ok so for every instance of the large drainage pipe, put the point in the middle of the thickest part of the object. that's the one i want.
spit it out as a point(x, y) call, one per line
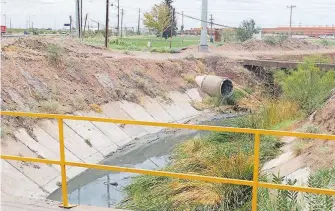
point(215, 86)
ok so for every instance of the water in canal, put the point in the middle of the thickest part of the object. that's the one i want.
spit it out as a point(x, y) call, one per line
point(105, 188)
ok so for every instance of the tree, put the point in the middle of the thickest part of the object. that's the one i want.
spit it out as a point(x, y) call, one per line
point(246, 29)
point(172, 14)
point(158, 19)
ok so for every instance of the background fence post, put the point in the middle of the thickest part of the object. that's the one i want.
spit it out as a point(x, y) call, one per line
point(256, 170)
point(62, 164)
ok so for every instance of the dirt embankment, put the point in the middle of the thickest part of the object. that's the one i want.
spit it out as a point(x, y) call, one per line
point(261, 45)
point(318, 154)
point(63, 75)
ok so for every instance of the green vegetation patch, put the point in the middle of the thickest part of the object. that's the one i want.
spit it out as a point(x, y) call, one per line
point(308, 86)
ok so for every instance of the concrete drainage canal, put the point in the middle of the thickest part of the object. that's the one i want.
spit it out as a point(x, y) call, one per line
point(105, 189)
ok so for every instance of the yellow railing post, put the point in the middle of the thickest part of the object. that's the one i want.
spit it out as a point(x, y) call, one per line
point(256, 170)
point(257, 133)
point(62, 164)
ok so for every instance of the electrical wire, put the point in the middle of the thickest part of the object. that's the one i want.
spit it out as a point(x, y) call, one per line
point(216, 24)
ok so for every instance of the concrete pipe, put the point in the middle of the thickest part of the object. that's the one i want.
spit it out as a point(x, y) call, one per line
point(215, 86)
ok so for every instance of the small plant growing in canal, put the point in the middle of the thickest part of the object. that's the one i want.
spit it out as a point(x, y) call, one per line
point(87, 141)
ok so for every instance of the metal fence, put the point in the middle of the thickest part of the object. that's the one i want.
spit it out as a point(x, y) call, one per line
point(255, 183)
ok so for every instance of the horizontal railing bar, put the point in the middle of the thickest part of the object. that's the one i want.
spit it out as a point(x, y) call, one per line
point(174, 175)
point(297, 188)
point(29, 159)
point(173, 125)
point(162, 173)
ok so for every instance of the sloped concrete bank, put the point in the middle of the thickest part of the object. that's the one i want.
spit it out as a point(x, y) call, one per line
point(89, 142)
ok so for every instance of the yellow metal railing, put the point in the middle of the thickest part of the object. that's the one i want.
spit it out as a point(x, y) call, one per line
point(254, 183)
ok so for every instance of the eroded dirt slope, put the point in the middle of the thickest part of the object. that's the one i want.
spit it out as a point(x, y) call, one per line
point(57, 75)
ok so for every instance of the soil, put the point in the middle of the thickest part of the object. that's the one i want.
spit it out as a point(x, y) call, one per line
point(62, 75)
point(260, 45)
point(325, 117)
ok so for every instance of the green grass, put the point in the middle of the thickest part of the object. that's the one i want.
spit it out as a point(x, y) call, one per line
point(326, 42)
point(309, 86)
point(227, 155)
point(140, 43)
point(223, 154)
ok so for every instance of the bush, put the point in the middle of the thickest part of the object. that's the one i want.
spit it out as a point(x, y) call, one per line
point(289, 200)
point(308, 86)
point(278, 39)
point(55, 54)
point(271, 40)
point(325, 42)
point(235, 97)
point(50, 106)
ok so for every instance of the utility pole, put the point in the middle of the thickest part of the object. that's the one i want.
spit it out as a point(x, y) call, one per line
point(10, 23)
point(172, 26)
point(121, 21)
point(203, 47)
point(98, 26)
point(70, 25)
point(77, 18)
point(81, 18)
point(107, 15)
point(182, 21)
point(211, 39)
point(118, 17)
point(291, 7)
point(85, 26)
point(139, 18)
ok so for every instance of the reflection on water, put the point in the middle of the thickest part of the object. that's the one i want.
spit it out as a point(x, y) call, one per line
point(107, 191)
point(105, 188)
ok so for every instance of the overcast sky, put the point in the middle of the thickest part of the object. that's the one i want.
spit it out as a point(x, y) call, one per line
point(266, 13)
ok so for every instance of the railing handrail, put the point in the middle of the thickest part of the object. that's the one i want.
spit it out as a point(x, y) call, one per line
point(172, 125)
point(257, 132)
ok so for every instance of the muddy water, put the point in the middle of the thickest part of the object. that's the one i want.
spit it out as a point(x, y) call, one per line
point(105, 189)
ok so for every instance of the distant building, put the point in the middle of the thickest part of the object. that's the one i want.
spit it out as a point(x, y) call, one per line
point(321, 31)
point(197, 31)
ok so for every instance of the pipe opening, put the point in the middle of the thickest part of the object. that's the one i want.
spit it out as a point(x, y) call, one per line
point(226, 88)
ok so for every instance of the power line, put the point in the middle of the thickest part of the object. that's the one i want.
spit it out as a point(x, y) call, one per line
point(187, 16)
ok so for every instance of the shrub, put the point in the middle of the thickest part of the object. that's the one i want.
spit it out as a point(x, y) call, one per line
point(235, 97)
point(50, 106)
point(212, 101)
point(189, 78)
point(55, 54)
point(308, 86)
point(289, 200)
point(271, 40)
point(325, 42)
point(190, 56)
